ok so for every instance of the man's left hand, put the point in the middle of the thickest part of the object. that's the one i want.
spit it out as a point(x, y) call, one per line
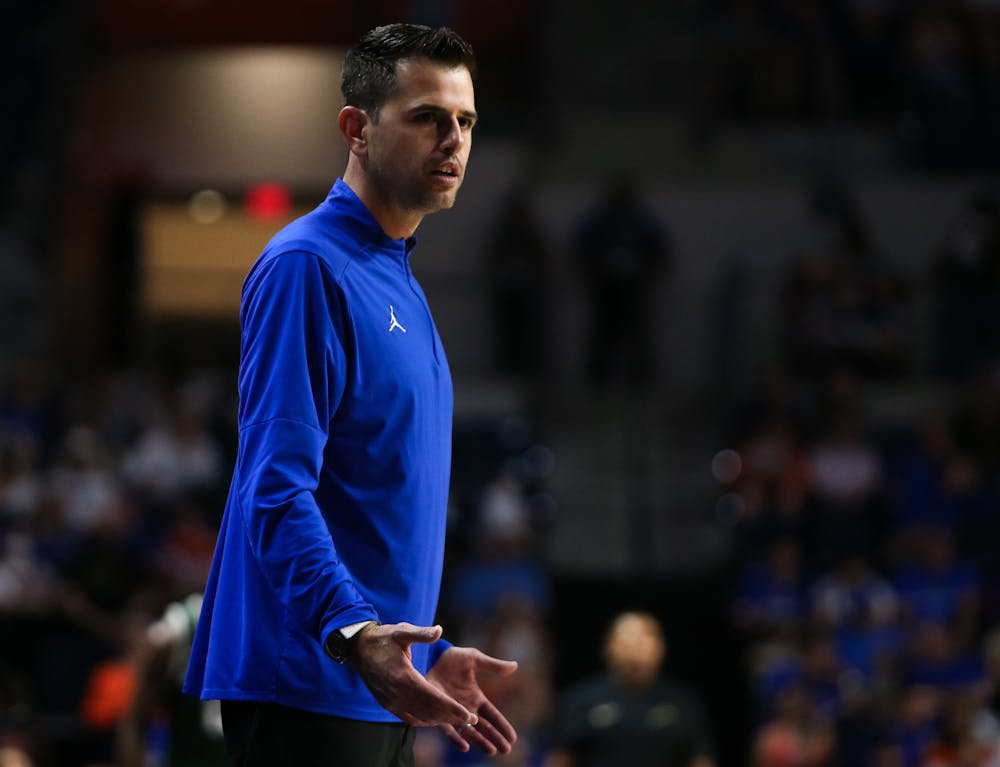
point(455, 674)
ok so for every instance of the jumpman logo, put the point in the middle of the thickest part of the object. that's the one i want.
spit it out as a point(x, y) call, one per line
point(393, 322)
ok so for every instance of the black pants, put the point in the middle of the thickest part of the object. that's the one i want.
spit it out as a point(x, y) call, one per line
point(269, 735)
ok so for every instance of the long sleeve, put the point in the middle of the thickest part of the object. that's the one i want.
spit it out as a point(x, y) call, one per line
point(293, 374)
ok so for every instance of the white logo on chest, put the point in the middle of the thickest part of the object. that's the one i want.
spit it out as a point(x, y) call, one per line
point(393, 322)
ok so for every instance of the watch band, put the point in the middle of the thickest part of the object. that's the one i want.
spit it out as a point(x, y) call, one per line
point(340, 642)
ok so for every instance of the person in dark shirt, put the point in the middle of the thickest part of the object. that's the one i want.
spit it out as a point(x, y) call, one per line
point(631, 716)
point(621, 249)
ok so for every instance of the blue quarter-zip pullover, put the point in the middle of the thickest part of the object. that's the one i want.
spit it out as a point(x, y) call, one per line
point(336, 511)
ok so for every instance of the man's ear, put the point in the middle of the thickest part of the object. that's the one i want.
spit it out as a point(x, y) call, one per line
point(354, 125)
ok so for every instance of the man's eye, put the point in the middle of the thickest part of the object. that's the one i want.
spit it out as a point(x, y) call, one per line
point(425, 117)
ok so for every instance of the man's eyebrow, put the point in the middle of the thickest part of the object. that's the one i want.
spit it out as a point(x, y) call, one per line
point(468, 113)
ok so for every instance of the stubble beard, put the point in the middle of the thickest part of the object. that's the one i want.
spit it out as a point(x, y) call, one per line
point(409, 194)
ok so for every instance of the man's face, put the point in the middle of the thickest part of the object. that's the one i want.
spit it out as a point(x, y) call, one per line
point(635, 650)
point(419, 148)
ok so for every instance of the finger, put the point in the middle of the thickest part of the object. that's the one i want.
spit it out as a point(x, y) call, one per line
point(433, 705)
point(470, 736)
point(486, 662)
point(407, 633)
point(492, 716)
point(486, 738)
point(478, 739)
point(452, 734)
point(502, 741)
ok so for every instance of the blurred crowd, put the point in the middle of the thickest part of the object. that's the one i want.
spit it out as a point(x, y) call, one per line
point(110, 491)
point(929, 69)
point(109, 495)
point(865, 586)
point(865, 517)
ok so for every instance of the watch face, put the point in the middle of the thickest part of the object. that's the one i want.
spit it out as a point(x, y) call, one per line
point(336, 646)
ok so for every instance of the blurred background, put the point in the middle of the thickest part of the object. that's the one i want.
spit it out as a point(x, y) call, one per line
point(721, 297)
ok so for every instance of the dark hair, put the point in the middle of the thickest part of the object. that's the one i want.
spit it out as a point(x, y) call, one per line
point(369, 76)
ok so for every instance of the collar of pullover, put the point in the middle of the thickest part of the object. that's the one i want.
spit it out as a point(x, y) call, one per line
point(363, 224)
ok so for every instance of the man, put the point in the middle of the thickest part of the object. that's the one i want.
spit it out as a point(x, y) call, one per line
point(622, 249)
point(194, 736)
point(631, 717)
point(331, 546)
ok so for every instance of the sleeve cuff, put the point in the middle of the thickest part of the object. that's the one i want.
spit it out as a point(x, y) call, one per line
point(344, 620)
point(436, 650)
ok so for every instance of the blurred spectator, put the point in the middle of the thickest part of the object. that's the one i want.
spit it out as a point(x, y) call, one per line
point(991, 659)
point(22, 486)
point(868, 34)
point(622, 250)
point(778, 399)
point(737, 35)
point(934, 484)
point(795, 736)
point(771, 599)
point(184, 555)
point(848, 513)
point(860, 609)
point(161, 724)
point(25, 407)
point(175, 457)
point(963, 280)
point(854, 595)
point(518, 257)
point(518, 631)
point(107, 565)
point(936, 587)
point(774, 485)
point(83, 483)
point(823, 675)
point(939, 88)
point(842, 307)
point(985, 28)
point(25, 582)
point(503, 518)
point(86, 679)
point(504, 565)
point(631, 715)
point(935, 658)
point(968, 735)
point(977, 422)
point(810, 662)
point(912, 728)
point(12, 756)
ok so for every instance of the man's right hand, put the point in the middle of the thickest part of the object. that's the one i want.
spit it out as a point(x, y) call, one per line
point(382, 657)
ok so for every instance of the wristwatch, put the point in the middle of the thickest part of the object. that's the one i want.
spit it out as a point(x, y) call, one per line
point(340, 643)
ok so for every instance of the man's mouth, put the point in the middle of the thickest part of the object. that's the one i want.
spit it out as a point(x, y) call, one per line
point(446, 172)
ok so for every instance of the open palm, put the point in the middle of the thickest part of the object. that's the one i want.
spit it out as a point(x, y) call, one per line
point(456, 674)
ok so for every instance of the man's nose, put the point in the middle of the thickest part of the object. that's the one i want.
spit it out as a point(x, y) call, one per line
point(451, 134)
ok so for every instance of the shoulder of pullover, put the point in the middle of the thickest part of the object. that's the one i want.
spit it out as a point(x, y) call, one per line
point(321, 232)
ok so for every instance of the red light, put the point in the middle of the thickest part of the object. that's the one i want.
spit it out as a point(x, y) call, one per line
point(266, 202)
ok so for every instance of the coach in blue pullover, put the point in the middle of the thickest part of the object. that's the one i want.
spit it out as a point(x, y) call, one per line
point(316, 627)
